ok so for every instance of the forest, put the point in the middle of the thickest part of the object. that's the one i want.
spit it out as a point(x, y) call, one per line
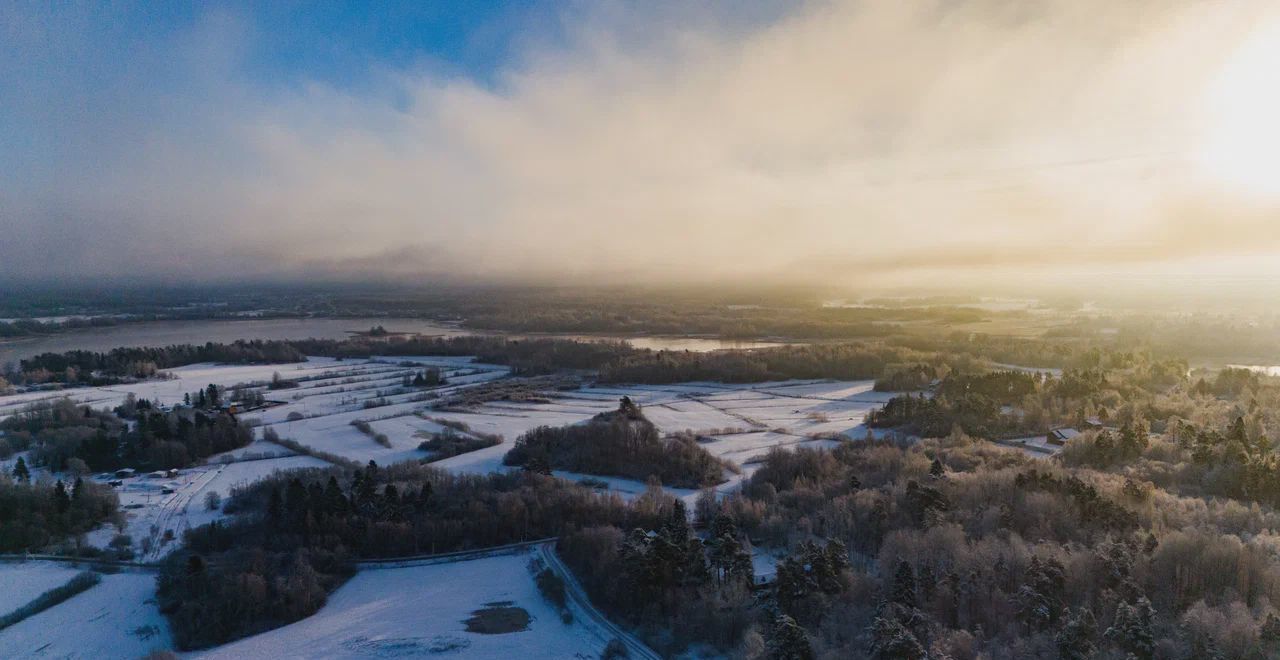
point(948, 548)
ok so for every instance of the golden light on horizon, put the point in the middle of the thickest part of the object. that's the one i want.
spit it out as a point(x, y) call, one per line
point(1242, 145)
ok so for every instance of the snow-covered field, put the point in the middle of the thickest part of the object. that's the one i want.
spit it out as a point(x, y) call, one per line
point(23, 581)
point(375, 615)
point(115, 619)
point(739, 423)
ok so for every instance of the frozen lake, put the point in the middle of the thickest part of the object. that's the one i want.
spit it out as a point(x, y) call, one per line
point(165, 333)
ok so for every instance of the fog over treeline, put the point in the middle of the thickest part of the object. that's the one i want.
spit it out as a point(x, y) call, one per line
point(889, 143)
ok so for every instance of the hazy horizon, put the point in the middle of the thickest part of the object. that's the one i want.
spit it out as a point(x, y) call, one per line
point(1053, 145)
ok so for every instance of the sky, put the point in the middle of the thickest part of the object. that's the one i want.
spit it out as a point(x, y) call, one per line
point(843, 142)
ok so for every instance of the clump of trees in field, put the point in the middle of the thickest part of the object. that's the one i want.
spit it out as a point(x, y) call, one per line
point(624, 444)
point(35, 516)
point(449, 443)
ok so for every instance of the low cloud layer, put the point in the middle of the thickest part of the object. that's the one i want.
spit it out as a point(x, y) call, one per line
point(838, 142)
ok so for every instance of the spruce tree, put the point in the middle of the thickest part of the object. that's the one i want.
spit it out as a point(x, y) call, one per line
point(1075, 639)
point(903, 591)
point(20, 471)
point(890, 640)
point(61, 501)
point(788, 641)
point(1132, 628)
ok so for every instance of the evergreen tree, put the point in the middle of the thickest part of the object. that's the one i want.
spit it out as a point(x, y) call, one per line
point(538, 464)
point(424, 495)
point(1132, 628)
point(20, 471)
point(676, 528)
point(335, 502)
point(366, 485)
point(890, 640)
point(928, 584)
point(936, 470)
point(213, 396)
point(61, 501)
point(903, 591)
point(729, 558)
point(1075, 639)
point(1271, 629)
point(295, 502)
point(275, 507)
point(788, 641)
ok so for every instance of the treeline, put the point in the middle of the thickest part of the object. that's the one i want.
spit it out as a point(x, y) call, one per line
point(93, 368)
point(524, 356)
point(295, 535)
point(901, 363)
point(794, 315)
point(65, 436)
point(36, 516)
point(625, 445)
point(30, 327)
point(840, 361)
point(82, 582)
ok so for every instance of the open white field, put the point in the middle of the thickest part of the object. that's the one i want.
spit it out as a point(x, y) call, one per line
point(23, 581)
point(331, 394)
point(374, 615)
point(739, 423)
point(115, 619)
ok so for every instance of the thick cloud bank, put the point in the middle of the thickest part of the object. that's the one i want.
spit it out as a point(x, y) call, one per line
point(837, 142)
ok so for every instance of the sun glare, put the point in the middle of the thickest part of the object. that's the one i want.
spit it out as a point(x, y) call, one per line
point(1242, 146)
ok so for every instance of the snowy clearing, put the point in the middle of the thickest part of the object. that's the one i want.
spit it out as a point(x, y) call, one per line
point(23, 581)
point(375, 616)
point(739, 423)
point(115, 619)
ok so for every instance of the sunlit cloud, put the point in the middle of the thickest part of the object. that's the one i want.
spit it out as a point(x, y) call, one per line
point(845, 142)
